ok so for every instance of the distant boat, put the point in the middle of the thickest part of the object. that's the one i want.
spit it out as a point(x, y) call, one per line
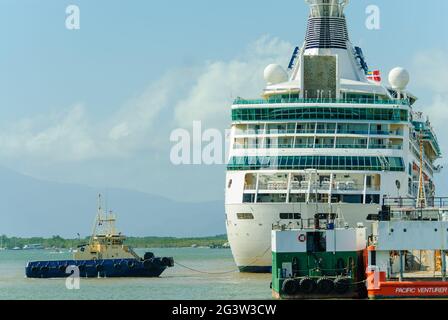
point(224, 246)
point(16, 248)
point(56, 251)
point(33, 247)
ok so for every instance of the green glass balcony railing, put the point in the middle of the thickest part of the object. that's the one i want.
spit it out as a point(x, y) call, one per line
point(382, 146)
point(302, 113)
point(317, 162)
point(317, 146)
point(351, 146)
point(402, 102)
point(348, 131)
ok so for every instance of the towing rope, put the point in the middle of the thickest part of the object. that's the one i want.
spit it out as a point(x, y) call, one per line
point(223, 272)
point(204, 272)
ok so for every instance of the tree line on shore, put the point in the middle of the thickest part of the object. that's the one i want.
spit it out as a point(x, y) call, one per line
point(136, 242)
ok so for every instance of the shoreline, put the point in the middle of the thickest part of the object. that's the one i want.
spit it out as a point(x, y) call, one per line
point(57, 242)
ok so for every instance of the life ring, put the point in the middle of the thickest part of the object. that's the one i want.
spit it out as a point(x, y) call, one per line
point(302, 238)
point(34, 269)
point(99, 267)
point(62, 268)
point(131, 264)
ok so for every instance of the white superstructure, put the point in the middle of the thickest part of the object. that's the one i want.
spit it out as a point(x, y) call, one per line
point(326, 137)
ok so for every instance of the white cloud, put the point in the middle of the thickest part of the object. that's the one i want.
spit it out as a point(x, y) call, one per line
point(432, 70)
point(431, 74)
point(63, 137)
point(211, 95)
point(119, 131)
point(178, 98)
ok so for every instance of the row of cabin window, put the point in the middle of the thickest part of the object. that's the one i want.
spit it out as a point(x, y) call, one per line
point(283, 216)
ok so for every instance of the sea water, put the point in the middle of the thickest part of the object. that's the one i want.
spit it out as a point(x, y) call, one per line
point(214, 277)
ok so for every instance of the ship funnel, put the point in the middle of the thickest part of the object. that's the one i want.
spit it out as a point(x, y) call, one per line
point(327, 8)
point(327, 27)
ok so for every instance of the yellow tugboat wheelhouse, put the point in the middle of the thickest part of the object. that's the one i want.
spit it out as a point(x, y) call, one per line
point(105, 255)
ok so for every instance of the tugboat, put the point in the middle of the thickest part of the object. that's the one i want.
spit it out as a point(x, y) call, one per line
point(105, 256)
point(318, 260)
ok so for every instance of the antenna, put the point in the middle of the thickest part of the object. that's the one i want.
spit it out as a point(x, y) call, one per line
point(97, 219)
point(99, 204)
point(106, 202)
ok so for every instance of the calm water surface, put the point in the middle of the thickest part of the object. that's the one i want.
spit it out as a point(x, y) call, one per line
point(175, 283)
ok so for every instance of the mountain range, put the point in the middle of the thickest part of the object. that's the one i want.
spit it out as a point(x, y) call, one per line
point(34, 207)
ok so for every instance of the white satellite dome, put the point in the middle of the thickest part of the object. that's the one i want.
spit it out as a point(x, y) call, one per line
point(399, 78)
point(274, 74)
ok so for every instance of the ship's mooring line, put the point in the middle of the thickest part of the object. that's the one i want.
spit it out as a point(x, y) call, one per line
point(205, 272)
point(220, 273)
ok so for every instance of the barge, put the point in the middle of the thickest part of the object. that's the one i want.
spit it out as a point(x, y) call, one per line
point(403, 256)
point(314, 262)
point(408, 251)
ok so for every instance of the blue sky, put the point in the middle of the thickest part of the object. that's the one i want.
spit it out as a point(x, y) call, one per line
point(96, 106)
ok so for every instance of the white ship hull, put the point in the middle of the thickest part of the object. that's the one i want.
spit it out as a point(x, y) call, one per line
point(250, 240)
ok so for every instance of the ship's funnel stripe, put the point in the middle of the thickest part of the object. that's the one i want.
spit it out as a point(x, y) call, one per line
point(326, 33)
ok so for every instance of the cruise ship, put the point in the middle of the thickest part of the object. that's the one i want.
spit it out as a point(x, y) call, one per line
point(326, 136)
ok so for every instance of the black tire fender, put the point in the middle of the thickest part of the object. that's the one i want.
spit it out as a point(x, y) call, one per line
point(147, 264)
point(167, 262)
point(290, 286)
point(307, 285)
point(148, 255)
point(325, 285)
point(341, 285)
